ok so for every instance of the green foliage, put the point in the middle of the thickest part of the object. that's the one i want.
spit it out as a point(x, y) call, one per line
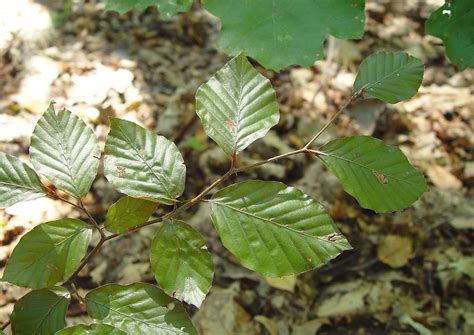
point(270, 227)
point(181, 263)
point(40, 312)
point(454, 24)
point(237, 106)
point(93, 329)
point(48, 254)
point(18, 182)
point(377, 175)
point(389, 76)
point(278, 33)
point(274, 229)
point(142, 164)
point(128, 213)
point(139, 309)
point(66, 151)
point(167, 8)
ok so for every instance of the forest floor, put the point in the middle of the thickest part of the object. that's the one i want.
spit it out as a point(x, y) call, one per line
point(411, 272)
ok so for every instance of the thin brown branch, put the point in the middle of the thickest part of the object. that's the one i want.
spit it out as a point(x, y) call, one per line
point(85, 260)
point(54, 196)
point(349, 101)
point(91, 219)
point(5, 325)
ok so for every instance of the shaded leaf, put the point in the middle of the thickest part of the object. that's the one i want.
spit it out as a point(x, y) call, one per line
point(18, 182)
point(137, 309)
point(167, 8)
point(389, 76)
point(48, 254)
point(278, 33)
point(274, 229)
point(142, 164)
point(40, 312)
point(93, 329)
point(182, 265)
point(454, 24)
point(66, 151)
point(237, 106)
point(128, 213)
point(377, 175)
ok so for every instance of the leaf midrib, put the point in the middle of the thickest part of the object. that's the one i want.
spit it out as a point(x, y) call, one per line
point(150, 168)
point(54, 246)
point(391, 74)
point(48, 312)
point(276, 223)
point(151, 325)
point(65, 155)
point(324, 153)
point(22, 186)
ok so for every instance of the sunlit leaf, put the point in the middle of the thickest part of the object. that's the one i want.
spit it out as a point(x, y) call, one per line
point(237, 106)
point(48, 254)
point(66, 151)
point(128, 213)
point(138, 309)
point(18, 182)
point(377, 175)
point(274, 229)
point(142, 164)
point(181, 263)
point(389, 76)
point(40, 312)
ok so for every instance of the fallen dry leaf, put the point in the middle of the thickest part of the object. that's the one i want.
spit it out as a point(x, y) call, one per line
point(395, 250)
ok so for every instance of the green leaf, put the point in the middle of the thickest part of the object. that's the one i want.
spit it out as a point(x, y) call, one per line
point(454, 24)
point(167, 8)
point(48, 254)
point(237, 106)
point(377, 175)
point(274, 229)
point(93, 329)
point(278, 33)
point(142, 164)
point(40, 312)
point(181, 263)
point(18, 182)
point(128, 213)
point(138, 309)
point(66, 151)
point(389, 76)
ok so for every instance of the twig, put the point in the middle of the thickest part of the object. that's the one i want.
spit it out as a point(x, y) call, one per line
point(5, 325)
point(54, 196)
point(85, 260)
point(349, 101)
point(92, 220)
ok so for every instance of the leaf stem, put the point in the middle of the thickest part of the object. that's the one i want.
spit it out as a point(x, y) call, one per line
point(5, 325)
point(86, 259)
point(349, 101)
point(92, 220)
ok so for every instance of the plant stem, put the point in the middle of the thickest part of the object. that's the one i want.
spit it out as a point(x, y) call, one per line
point(349, 101)
point(94, 222)
point(86, 259)
point(5, 325)
point(233, 170)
